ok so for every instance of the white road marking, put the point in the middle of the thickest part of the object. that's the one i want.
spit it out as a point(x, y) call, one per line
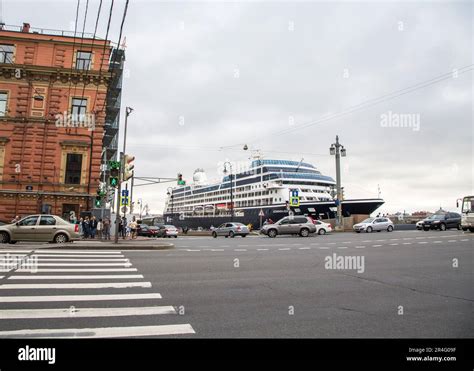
point(284, 248)
point(95, 285)
point(102, 332)
point(376, 245)
point(465, 239)
point(72, 277)
point(393, 244)
point(81, 260)
point(191, 250)
point(85, 312)
point(61, 270)
point(407, 243)
point(63, 256)
point(323, 247)
point(72, 298)
point(360, 247)
point(47, 251)
point(452, 240)
point(437, 241)
point(385, 240)
point(262, 249)
point(342, 247)
point(422, 242)
point(240, 249)
point(304, 248)
point(81, 264)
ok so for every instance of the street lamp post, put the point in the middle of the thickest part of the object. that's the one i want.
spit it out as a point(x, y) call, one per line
point(170, 194)
point(338, 150)
point(231, 190)
point(128, 111)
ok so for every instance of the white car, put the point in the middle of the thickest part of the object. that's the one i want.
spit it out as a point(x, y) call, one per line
point(374, 224)
point(419, 225)
point(322, 227)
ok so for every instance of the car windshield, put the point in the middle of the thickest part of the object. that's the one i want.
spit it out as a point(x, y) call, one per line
point(436, 217)
point(368, 220)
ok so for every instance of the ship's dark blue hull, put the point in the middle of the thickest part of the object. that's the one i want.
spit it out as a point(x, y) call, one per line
point(276, 212)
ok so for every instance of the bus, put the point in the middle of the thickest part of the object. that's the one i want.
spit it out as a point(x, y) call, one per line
point(467, 213)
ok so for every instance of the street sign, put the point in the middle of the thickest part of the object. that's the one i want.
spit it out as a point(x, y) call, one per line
point(125, 193)
point(124, 201)
point(294, 201)
point(261, 213)
point(294, 193)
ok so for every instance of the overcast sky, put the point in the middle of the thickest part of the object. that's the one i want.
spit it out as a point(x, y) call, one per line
point(205, 75)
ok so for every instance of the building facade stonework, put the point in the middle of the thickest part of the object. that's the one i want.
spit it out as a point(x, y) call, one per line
point(53, 104)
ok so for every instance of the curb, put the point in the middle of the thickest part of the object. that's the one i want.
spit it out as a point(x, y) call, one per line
point(99, 246)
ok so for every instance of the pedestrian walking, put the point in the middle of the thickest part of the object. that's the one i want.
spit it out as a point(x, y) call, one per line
point(124, 227)
point(86, 227)
point(133, 228)
point(106, 229)
point(100, 227)
point(93, 227)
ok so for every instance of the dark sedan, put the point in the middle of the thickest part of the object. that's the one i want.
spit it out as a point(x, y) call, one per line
point(442, 222)
point(147, 231)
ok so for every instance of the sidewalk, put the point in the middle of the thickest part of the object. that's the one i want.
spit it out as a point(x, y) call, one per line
point(94, 245)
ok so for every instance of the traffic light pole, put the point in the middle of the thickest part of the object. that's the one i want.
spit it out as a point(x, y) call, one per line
point(117, 206)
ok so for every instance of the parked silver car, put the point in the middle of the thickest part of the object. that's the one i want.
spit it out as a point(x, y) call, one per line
point(231, 230)
point(301, 225)
point(374, 224)
point(40, 228)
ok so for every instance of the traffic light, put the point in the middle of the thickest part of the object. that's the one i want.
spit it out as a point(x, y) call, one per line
point(180, 179)
point(128, 170)
point(114, 173)
point(98, 198)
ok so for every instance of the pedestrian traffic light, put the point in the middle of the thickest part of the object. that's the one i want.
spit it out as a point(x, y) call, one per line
point(114, 173)
point(128, 170)
point(180, 179)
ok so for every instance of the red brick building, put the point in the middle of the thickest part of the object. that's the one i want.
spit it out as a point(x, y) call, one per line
point(54, 94)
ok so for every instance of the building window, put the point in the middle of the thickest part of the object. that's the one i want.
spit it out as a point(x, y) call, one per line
point(83, 60)
point(3, 104)
point(73, 168)
point(78, 109)
point(6, 53)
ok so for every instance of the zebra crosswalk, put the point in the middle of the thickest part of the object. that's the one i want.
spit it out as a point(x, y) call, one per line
point(80, 294)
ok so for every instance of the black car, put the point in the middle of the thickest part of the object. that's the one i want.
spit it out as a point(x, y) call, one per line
point(442, 222)
point(147, 231)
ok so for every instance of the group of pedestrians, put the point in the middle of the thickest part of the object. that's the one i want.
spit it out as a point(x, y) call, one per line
point(92, 227)
point(128, 229)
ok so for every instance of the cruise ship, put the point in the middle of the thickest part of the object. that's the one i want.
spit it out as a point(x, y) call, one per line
point(259, 192)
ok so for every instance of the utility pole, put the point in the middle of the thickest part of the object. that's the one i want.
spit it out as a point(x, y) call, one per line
point(117, 206)
point(231, 190)
point(128, 111)
point(338, 150)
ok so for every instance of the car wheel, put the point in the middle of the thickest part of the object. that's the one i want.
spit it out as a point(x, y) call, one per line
point(322, 231)
point(471, 229)
point(369, 230)
point(426, 229)
point(272, 233)
point(459, 227)
point(214, 234)
point(304, 232)
point(231, 234)
point(357, 231)
point(60, 238)
point(244, 235)
point(175, 236)
point(4, 237)
point(12, 242)
point(390, 228)
point(442, 227)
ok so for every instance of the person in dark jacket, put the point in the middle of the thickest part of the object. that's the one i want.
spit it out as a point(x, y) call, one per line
point(86, 227)
point(93, 227)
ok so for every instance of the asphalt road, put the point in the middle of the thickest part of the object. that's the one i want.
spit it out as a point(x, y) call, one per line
point(406, 284)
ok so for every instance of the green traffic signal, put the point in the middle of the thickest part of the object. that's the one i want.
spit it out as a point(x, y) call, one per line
point(114, 181)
